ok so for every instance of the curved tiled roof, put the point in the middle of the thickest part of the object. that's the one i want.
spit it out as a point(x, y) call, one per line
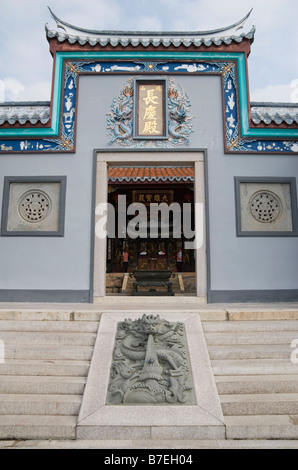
point(277, 113)
point(74, 34)
point(23, 113)
point(150, 174)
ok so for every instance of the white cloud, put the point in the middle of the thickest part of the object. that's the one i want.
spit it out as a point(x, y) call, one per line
point(93, 14)
point(2, 90)
point(294, 94)
point(287, 93)
point(11, 89)
point(149, 23)
point(36, 91)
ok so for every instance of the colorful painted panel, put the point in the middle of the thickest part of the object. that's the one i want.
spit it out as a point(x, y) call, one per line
point(239, 138)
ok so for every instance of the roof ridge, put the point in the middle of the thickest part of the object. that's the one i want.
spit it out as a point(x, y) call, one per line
point(271, 104)
point(25, 103)
point(63, 25)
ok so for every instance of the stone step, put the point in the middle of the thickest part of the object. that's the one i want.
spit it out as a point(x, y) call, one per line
point(257, 384)
point(251, 326)
point(42, 385)
point(260, 404)
point(262, 427)
point(245, 351)
point(11, 404)
point(45, 367)
point(32, 338)
point(49, 326)
point(42, 381)
point(49, 315)
point(255, 337)
point(261, 314)
point(254, 367)
point(37, 427)
point(48, 352)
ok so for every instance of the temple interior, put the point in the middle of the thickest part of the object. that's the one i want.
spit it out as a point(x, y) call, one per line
point(167, 250)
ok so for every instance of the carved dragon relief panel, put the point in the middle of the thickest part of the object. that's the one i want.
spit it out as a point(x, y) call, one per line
point(120, 120)
point(150, 364)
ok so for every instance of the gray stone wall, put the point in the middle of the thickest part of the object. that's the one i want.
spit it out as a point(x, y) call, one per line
point(235, 263)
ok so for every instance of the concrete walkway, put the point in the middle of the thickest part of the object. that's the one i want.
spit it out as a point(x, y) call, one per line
point(144, 445)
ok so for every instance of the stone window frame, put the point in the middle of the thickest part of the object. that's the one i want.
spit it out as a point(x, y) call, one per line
point(8, 180)
point(291, 181)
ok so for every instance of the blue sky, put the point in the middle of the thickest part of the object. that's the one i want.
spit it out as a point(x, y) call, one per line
point(26, 64)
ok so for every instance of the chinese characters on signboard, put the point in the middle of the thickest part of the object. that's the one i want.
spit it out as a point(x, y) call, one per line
point(150, 109)
point(155, 196)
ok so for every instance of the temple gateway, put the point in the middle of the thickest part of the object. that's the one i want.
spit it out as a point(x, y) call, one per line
point(150, 173)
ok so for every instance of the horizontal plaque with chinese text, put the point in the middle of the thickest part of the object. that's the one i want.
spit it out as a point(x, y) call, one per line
point(154, 196)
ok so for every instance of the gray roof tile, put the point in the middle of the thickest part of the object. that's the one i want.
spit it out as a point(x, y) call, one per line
point(22, 113)
point(73, 34)
point(276, 113)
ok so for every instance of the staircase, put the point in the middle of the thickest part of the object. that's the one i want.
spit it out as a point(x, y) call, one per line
point(48, 354)
point(47, 357)
point(256, 380)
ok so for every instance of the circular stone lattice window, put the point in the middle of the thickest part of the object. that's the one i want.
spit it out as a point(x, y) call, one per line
point(34, 206)
point(265, 206)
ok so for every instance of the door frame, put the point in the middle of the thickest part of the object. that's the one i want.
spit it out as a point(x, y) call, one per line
point(163, 157)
